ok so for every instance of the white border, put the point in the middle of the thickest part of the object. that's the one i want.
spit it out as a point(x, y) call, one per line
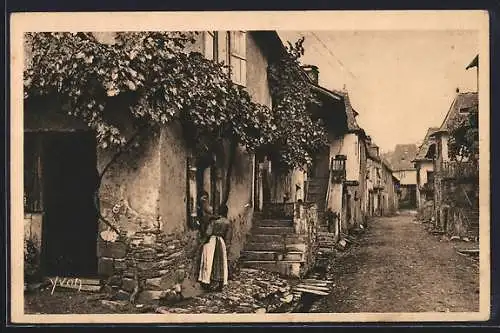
point(294, 20)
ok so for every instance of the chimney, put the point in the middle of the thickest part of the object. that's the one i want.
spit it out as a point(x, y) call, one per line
point(312, 71)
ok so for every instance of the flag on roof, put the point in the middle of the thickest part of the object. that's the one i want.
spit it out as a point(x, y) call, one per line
point(474, 62)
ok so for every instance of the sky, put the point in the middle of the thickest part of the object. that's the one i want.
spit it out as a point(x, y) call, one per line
point(400, 82)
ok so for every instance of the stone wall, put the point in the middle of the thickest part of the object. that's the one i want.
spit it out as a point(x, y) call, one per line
point(149, 265)
point(306, 226)
point(32, 245)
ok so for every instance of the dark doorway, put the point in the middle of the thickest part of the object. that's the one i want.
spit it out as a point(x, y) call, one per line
point(70, 221)
point(320, 164)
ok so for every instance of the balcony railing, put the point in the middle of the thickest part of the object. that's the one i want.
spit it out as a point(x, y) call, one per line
point(459, 170)
point(337, 168)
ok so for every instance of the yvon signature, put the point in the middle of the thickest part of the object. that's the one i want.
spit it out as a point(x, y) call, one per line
point(68, 282)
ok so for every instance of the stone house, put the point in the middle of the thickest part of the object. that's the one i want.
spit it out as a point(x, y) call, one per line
point(401, 163)
point(148, 193)
point(456, 181)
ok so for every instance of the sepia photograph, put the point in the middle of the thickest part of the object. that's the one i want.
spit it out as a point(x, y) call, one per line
point(275, 167)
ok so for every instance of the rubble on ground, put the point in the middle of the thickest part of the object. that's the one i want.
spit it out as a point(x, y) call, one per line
point(251, 291)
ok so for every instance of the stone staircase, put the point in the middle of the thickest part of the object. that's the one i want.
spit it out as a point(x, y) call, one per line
point(274, 246)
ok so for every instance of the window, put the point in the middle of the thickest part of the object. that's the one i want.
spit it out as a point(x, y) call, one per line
point(237, 57)
point(430, 176)
point(210, 45)
point(465, 110)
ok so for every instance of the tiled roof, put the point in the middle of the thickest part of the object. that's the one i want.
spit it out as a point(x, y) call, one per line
point(461, 101)
point(424, 147)
point(402, 156)
point(352, 124)
point(372, 152)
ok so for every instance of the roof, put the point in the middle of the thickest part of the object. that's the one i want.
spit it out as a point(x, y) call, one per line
point(371, 150)
point(270, 43)
point(352, 124)
point(461, 101)
point(402, 156)
point(386, 163)
point(343, 96)
point(424, 147)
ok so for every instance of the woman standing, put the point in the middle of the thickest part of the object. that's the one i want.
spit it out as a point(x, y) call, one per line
point(213, 267)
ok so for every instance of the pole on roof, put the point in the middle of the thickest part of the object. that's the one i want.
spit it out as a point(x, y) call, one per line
point(475, 63)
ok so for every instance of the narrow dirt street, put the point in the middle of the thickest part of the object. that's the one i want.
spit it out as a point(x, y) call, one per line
point(398, 267)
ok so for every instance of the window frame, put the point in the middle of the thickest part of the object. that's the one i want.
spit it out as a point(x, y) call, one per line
point(242, 58)
point(215, 45)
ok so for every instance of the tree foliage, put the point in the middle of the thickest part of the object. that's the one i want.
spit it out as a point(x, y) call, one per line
point(297, 136)
point(463, 143)
point(163, 81)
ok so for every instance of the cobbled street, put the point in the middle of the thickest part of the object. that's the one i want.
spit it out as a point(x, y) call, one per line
point(398, 267)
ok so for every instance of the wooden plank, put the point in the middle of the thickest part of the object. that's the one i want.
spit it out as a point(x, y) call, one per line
point(306, 286)
point(83, 287)
point(92, 282)
point(313, 283)
point(310, 291)
point(468, 250)
point(316, 280)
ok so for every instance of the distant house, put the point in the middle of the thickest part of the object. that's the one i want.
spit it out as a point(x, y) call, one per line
point(456, 180)
point(381, 185)
point(336, 180)
point(404, 170)
point(424, 163)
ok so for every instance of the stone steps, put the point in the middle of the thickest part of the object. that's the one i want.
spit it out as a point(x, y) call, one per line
point(273, 223)
point(285, 267)
point(253, 246)
point(250, 255)
point(265, 238)
point(272, 230)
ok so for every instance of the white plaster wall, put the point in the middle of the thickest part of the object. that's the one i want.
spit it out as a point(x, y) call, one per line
point(424, 167)
point(407, 177)
point(347, 145)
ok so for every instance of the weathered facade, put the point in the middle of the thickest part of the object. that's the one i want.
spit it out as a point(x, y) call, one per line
point(456, 182)
point(424, 164)
point(148, 193)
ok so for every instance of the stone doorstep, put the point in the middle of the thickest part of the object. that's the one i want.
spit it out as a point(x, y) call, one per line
point(272, 255)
